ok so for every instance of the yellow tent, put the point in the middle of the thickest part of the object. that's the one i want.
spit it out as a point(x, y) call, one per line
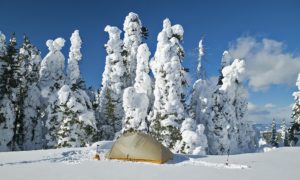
point(137, 146)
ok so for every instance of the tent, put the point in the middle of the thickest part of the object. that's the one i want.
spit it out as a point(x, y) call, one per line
point(137, 146)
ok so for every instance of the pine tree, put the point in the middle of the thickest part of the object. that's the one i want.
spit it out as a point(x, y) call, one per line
point(168, 109)
point(113, 83)
point(194, 140)
point(241, 133)
point(202, 89)
point(273, 141)
point(7, 111)
point(30, 98)
point(78, 126)
point(292, 131)
point(51, 80)
point(136, 99)
point(228, 130)
point(284, 134)
point(296, 106)
point(133, 33)
point(11, 93)
point(217, 126)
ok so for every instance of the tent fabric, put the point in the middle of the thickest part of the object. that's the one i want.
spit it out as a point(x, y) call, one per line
point(137, 146)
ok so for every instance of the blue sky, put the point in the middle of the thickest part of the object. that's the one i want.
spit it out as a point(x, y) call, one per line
point(220, 22)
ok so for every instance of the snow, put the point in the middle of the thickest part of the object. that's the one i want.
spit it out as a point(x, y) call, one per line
point(74, 57)
point(136, 107)
point(132, 39)
point(2, 44)
point(77, 163)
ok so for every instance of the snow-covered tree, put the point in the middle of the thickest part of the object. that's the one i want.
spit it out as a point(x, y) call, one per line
point(136, 99)
point(202, 90)
point(273, 141)
point(78, 126)
point(296, 106)
point(133, 34)
point(168, 109)
point(10, 94)
point(228, 130)
point(7, 112)
point(200, 67)
point(241, 133)
point(113, 84)
point(73, 71)
point(52, 78)
point(194, 140)
point(284, 134)
point(31, 122)
point(217, 126)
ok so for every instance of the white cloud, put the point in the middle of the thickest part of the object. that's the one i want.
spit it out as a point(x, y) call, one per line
point(266, 113)
point(269, 105)
point(266, 62)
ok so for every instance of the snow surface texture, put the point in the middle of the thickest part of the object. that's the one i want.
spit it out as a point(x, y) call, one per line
point(77, 163)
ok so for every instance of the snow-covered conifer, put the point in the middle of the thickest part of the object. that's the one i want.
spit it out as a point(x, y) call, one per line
point(78, 126)
point(7, 112)
point(136, 99)
point(132, 39)
point(31, 122)
point(10, 93)
point(228, 130)
point(168, 109)
point(51, 80)
point(73, 72)
point(194, 140)
point(273, 141)
point(113, 84)
point(284, 134)
point(296, 106)
point(241, 133)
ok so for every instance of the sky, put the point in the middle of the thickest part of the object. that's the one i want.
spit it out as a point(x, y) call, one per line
point(264, 33)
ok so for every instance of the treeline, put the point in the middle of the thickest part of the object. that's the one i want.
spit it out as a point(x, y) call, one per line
point(42, 106)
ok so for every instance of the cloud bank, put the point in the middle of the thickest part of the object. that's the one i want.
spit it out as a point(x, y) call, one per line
point(264, 114)
point(266, 62)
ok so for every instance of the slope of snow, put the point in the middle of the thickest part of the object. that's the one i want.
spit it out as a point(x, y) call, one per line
point(76, 163)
